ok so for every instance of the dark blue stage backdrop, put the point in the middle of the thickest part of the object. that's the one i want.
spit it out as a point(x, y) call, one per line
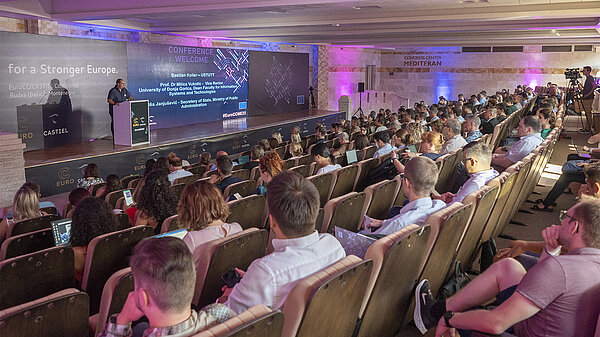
point(188, 85)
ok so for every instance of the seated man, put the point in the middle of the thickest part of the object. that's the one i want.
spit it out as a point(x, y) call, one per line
point(451, 131)
point(557, 297)
point(293, 204)
point(476, 158)
point(382, 141)
point(320, 132)
point(472, 124)
point(256, 152)
point(489, 121)
point(164, 275)
point(420, 177)
point(223, 153)
point(529, 130)
point(177, 171)
point(223, 178)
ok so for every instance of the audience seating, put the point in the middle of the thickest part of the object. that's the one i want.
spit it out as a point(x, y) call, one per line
point(400, 198)
point(304, 160)
point(343, 180)
point(107, 254)
point(369, 151)
point(323, 184)
point(170, 224)
point(94, 188)
point(178, 189)
point(520, 169)
point(329, 298)
point(248, 212)
point(26, 243)
point(242, 174)
point(364, 167)
point(66, 209)
point(255, 173)
point(190, 179)
point(289, 163)
point(303, 170)
point(28, 277)
point(216, 257)
point(379, 198)
point(122, 220)
point(114, 295)
point(197, 170)
point(396, 269)
point(258, 321)
point(49, 210)
point(63, 313)
point(31, 225)
point(125, 180)
point(112, 197)
point(345, 211)
point(448, 171)
point(244, 188)
point(134, 183)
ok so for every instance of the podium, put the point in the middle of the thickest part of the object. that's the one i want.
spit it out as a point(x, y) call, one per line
point(131, 123)
point(48, 125)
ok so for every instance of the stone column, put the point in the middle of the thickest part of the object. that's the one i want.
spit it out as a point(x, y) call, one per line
point(12, 166)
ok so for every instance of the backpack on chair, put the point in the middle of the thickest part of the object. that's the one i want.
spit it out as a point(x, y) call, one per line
point(383, 171)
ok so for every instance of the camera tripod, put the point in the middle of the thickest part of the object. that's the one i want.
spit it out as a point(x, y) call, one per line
point(573, 98)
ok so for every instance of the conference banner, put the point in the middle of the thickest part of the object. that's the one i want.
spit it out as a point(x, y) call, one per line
point(59, 85)
point(188, 85)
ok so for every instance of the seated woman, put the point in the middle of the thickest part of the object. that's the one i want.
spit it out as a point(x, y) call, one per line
point(203, 211)
point(92, 217)
point(91, 176)
point(361, 141)
point(75, 197)
point(206, 160)
point(25, 206)
point(546, 120)
point(269, 165)
point(295, 150)
point(322, 157)
point(402, 138)
point(113, 183)
point(431, 145)
point(149, 166)
point(156, 201)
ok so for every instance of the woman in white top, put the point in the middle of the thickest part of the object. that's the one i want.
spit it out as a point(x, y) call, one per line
point(202, 211)
point(322, 156)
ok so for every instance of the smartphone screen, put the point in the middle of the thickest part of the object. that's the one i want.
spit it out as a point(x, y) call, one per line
point(128, 198)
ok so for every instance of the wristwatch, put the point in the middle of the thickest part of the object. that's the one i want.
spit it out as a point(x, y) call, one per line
point(447, 316)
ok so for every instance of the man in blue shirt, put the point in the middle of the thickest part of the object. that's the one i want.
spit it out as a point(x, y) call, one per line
point(529, 130)
point(116, 95)
point(472, 124)
point(382, 140)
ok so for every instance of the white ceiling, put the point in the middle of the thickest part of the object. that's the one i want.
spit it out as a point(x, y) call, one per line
point(382, 24)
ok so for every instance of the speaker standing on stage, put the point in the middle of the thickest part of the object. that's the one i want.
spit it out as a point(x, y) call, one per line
point(117, 95)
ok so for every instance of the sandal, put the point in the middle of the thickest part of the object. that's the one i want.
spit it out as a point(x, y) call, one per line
point(544, 208)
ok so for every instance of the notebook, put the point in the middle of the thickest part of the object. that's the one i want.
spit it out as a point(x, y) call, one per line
point(353, 243)
point(61, 232)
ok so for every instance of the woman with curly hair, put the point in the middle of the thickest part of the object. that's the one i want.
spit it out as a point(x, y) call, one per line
point(113, 183)
point(203, 211)
point(162, 164)
point(156, 201)
point(92, 217)
point(25, 206)
point(269, 166)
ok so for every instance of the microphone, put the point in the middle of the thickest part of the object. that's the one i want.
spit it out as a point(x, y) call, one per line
point(42, 98)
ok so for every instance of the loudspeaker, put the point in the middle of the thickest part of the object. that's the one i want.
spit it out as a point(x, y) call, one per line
point(361, 86)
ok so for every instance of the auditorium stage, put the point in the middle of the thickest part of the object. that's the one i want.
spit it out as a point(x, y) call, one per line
point(58, 169)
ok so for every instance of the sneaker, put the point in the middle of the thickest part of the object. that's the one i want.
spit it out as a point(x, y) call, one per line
point(424, 301)
point(583, 131)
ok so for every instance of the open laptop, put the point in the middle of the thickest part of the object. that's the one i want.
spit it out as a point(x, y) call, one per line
point(579, 151)
point(243, 159)
point(351, 157)
point(61, 232)
point(178, 233)
point(353, 243)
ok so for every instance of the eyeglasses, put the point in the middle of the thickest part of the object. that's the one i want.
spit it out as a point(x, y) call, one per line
point(564, 215)
point(464, 161)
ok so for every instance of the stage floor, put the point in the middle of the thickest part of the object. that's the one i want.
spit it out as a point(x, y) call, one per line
point(169, 136)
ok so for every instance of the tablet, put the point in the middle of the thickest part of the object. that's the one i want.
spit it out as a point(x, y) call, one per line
point(128, 198)
point(351, 157)
point(61, 232)
point(243, 160)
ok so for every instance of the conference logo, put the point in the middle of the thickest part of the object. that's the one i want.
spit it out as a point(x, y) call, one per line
point(64, 177)
point(23, 127)
point(140, 162)
point(192, 152)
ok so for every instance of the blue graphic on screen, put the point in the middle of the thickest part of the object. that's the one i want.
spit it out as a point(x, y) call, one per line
point(188, 85)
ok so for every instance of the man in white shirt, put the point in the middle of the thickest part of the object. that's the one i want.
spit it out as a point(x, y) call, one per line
point(382, 141)
point(420, 177)
point(529, 130)
point(476, 158)
point(177, 171)
point(454, 141)
point(300, 251)
point(379, 124)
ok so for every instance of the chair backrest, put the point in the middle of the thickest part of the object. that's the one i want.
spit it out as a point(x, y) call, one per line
point(133, 184)
point(64, 313)
point(382, 310)
point(249, 212)
point(178, 189)
point(114, 294)
point(94, 188)
point(330, 298)
point(505, 180)
point(49, 210)
point(364, 167)
point(244, 188)
point(345, 211)
point(369, 151)
point(31, 225)
point(242, 174)
point(522, 170)
point(28, 277)
point(344, 180)
point(170, 224)
point(303, 170)
point(257, 321)
point(107, 254)
point(400, 198)
point(26, 243)
point(197, 170)
point(448, 172)
point(125, 180)
point(304, 160)
point(112, 197)
point(189, 179)
point(122, 220)
point(323, 184)
point(289, 163)
point(483, 201)
point(216, 257)
point(380, 197)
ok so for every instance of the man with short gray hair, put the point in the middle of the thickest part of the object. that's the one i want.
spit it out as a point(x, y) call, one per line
point(489, 121)
point(472, 124)
point(420, 177)
point(164, 276)
point(451, 132)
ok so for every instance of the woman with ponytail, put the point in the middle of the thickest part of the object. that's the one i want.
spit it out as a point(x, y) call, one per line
point(322, 156)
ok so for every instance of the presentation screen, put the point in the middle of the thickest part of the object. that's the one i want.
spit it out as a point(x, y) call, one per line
point(278, 82)
point(188, 85)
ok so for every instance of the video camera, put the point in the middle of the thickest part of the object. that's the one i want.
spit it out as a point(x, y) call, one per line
point(572, 73)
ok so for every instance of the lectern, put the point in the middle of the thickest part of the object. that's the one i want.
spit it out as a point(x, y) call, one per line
point(48, 125)
point(131, 124)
